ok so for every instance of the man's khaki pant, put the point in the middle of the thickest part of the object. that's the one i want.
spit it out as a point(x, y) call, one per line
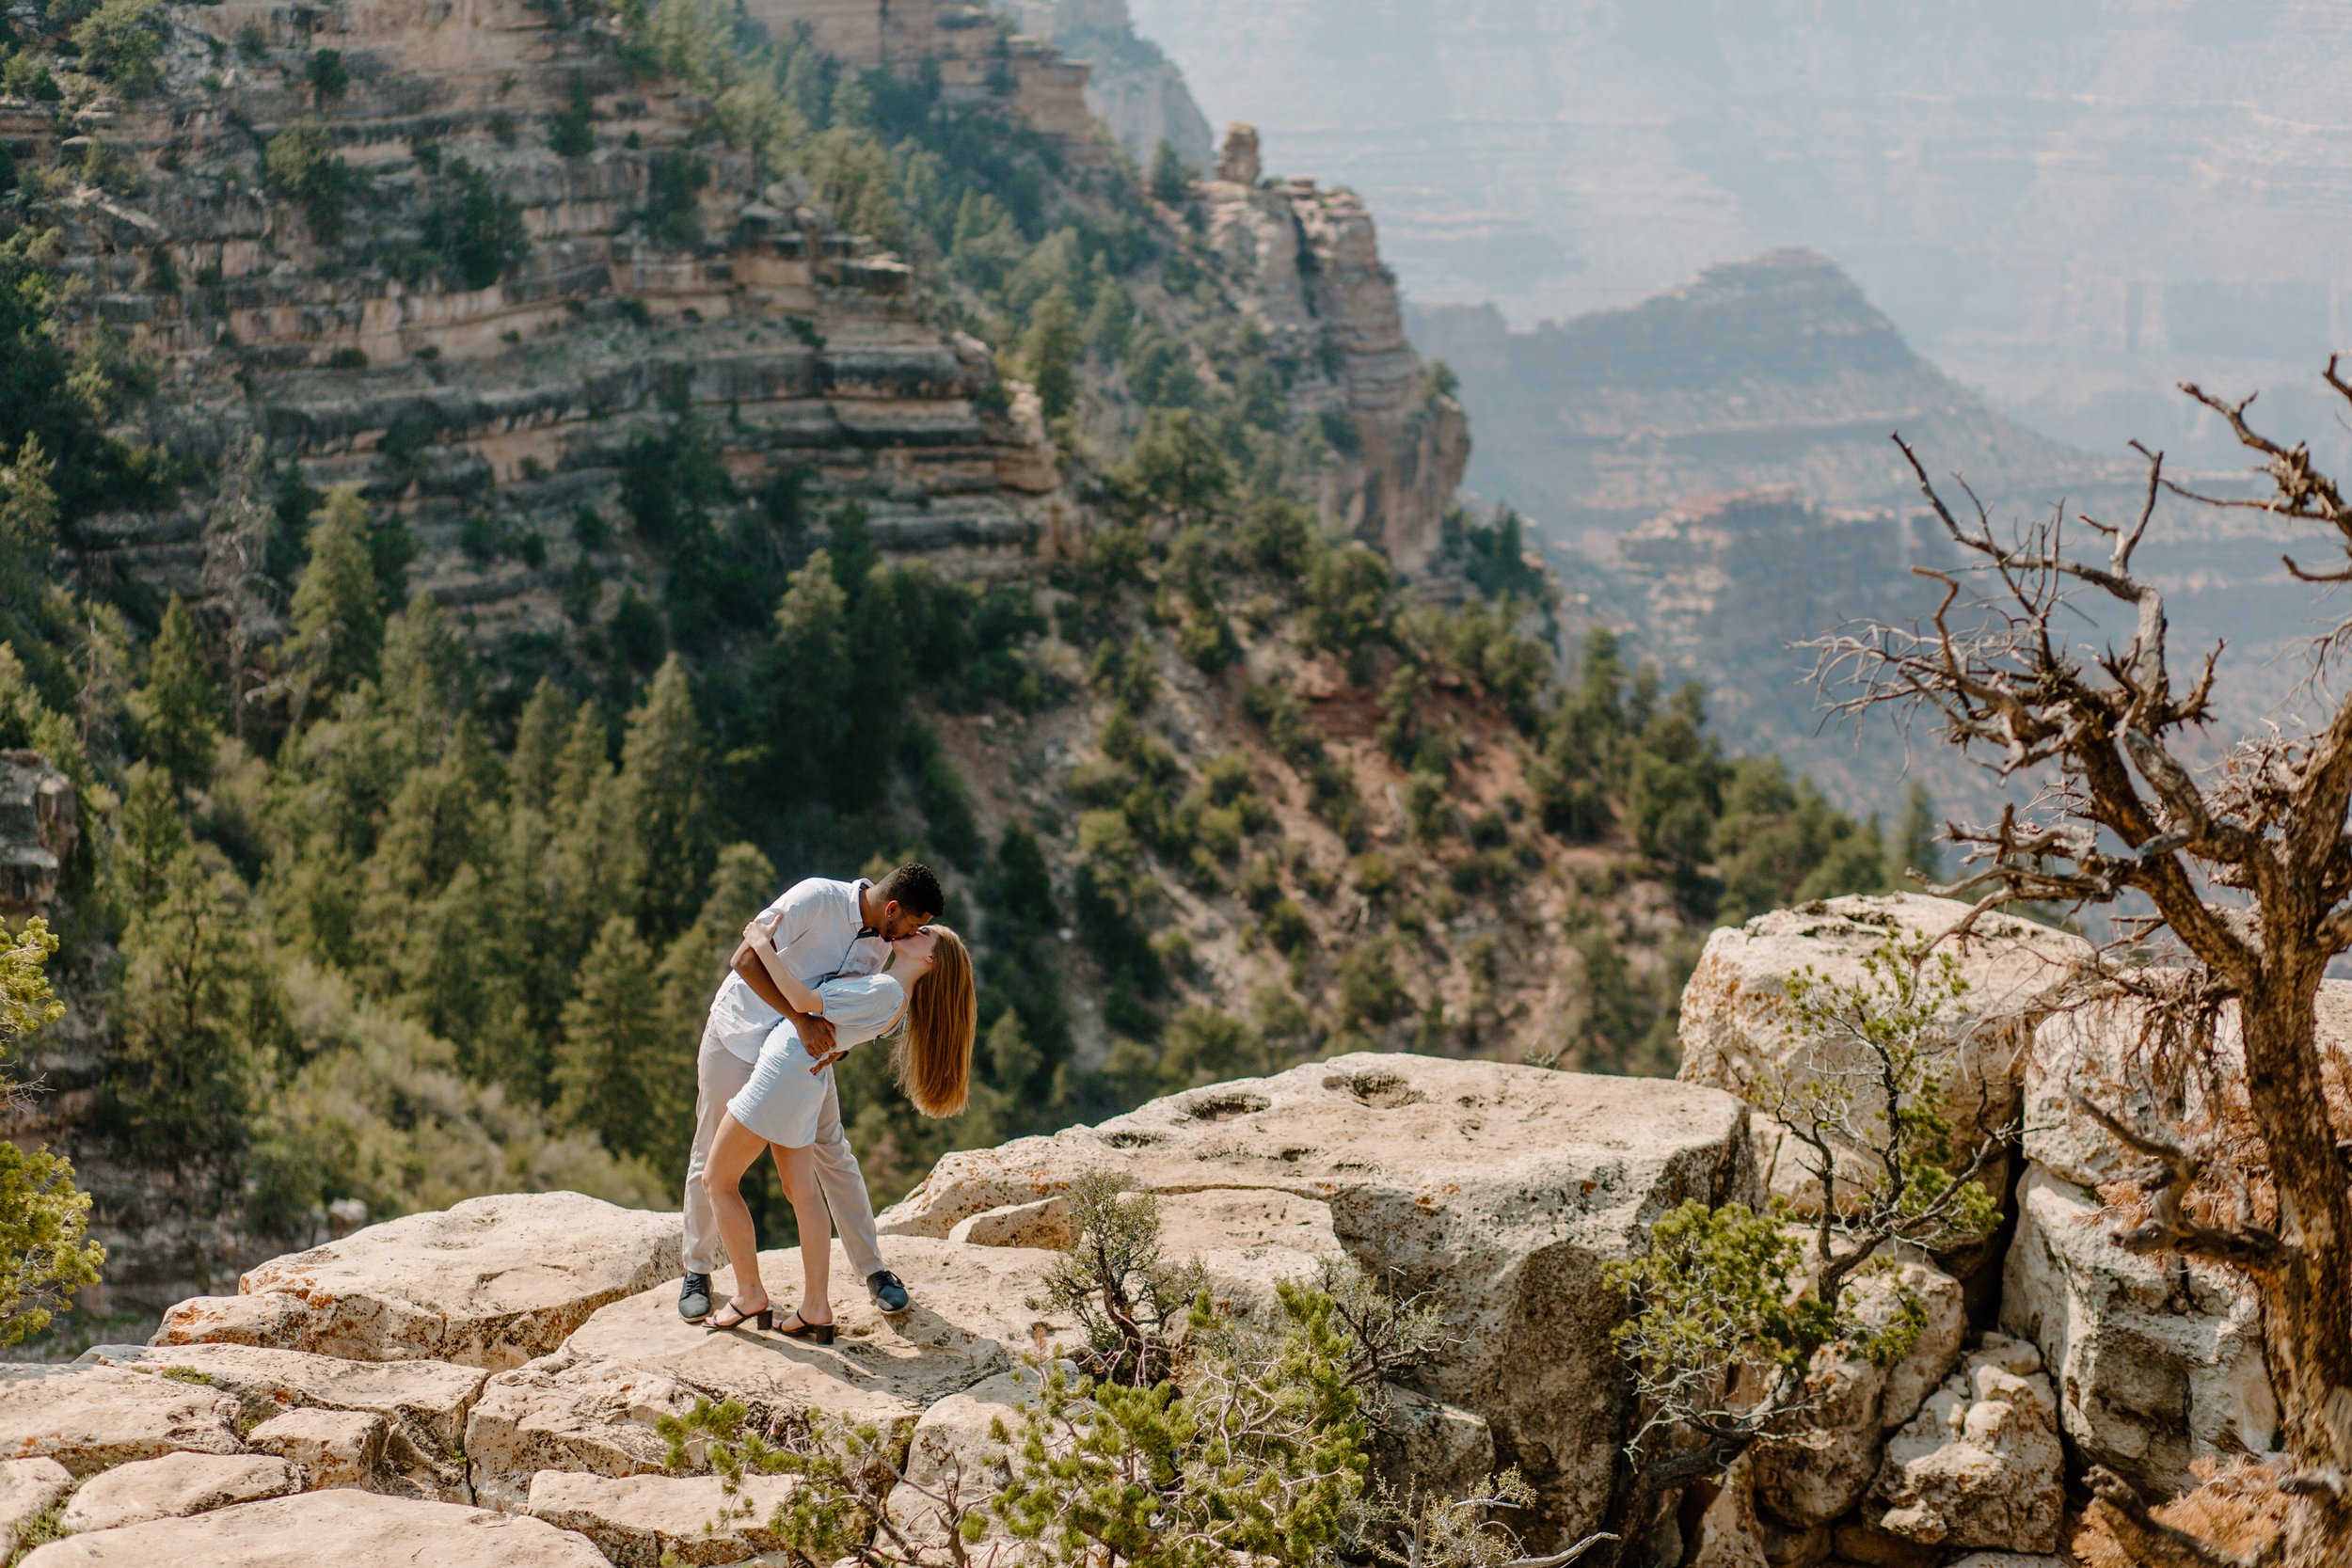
point(719, 1074)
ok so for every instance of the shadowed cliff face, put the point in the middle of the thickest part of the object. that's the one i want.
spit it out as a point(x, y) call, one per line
point(2068, 206)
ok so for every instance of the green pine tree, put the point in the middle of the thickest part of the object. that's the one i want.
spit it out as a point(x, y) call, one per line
point(1919, 837)
point(539, 736)
point(179, 708)
point(612, 1055)
point(1049, 350)
point(338, 605)
point(665, 803)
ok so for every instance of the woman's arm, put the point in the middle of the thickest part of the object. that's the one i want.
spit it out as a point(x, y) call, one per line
point(762, 943)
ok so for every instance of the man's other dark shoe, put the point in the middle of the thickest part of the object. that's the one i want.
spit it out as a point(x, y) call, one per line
point(693, 1298)
point(888, 1294)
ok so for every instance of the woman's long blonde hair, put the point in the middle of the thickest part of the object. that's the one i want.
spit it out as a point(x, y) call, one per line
point(933, 1061)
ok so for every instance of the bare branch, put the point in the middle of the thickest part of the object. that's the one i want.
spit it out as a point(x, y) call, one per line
point(2169, 1228)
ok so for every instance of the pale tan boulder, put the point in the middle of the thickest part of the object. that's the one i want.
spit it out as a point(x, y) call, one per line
point(567, 1412)
point(1729, 1534)
point(491, 1282)
point(2157, 1361)
point(1980, 1465)
point(650, 1521)
point(1440, 1447)
point(1738, 1031)
point(331, 1447)
point(954, 1459)
point(91, 1418)
point(1818, 1473)
point(1500, 1190)
point(349, 1530)
point(28, 1487)
point(173, 1485)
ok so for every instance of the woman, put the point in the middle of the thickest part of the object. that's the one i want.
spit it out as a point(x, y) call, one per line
point(928, 987)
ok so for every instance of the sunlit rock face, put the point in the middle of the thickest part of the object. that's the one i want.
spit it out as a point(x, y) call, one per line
point(1309, 262)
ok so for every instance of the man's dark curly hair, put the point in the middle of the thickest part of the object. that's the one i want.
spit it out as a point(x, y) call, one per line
point(913, 887)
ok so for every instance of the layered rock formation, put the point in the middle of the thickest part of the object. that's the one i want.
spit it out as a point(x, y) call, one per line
point(488, 411)
point(1131, 86)
point(1767, 371)
point(1309, 262)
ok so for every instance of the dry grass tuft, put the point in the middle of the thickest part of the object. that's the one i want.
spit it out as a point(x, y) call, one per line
point(2236, 1507)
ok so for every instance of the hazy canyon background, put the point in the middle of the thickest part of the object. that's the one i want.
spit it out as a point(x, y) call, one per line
point(2049, 214)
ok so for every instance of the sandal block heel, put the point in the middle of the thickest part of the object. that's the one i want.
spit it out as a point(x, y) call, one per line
point(816, 1333)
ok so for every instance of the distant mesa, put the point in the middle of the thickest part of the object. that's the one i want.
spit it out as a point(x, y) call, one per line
point(1773, 371)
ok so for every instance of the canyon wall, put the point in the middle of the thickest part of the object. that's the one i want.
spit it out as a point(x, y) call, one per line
point(489, 416)
point(1771, 370)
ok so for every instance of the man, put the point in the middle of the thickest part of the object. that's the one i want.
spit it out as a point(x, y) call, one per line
point(823, 929)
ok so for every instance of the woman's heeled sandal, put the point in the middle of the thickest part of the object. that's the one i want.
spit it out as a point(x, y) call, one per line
point(764, 1318)
point(799, 1327)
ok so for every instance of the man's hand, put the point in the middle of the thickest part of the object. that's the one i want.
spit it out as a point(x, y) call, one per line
point(816, 1034)
point(821, 1063)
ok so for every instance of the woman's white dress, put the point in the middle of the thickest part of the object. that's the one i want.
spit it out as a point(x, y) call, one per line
point(783, 1100)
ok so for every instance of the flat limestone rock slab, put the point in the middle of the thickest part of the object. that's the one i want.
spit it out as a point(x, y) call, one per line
point(175, 1484)
point(349, 1530)
point(969, 1318)
point(331, 1447)
point(1248, 1241)
point(26, 1488)
point(92, 1418)
point(643, 1521)
point(491, 1282)
point(431, 1397)
point(1500, 1190)
point(592, 1407)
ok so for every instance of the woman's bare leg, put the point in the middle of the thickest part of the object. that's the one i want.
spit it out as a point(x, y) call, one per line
point(797, 1168)
point(732, 1153)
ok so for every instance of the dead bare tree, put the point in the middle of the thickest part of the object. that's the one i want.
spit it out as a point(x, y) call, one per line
point(2247, 864)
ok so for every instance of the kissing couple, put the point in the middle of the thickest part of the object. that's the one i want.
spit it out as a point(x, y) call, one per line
point(828, 966)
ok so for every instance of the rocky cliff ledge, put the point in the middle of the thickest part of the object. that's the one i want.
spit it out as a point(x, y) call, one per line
point(486, 1380)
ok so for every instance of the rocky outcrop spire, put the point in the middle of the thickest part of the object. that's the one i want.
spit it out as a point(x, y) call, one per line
point(1238, 162)
point(37, 832)
point(1314, 278)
